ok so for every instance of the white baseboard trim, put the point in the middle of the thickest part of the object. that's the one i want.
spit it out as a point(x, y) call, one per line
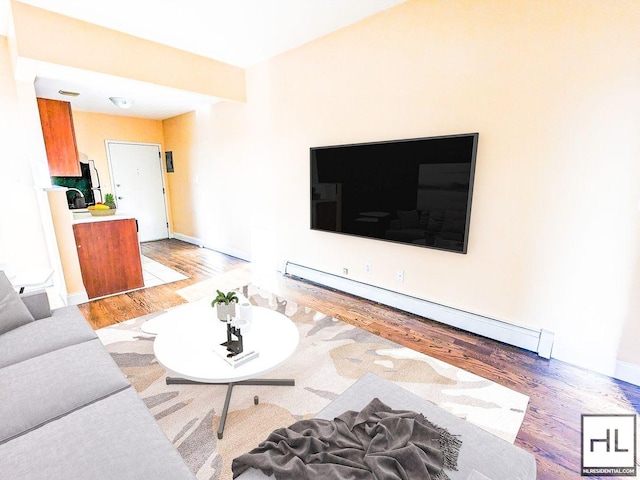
point(200, 243)
point(232, 252)
point(186, 238)
point(627, 372)
point(535, 340)
point(77, 298)
point(545, 345)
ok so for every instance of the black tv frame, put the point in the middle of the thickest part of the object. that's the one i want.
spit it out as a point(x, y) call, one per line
point(457, 245)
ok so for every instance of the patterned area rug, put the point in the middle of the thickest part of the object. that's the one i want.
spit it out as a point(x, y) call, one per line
point(330, 357)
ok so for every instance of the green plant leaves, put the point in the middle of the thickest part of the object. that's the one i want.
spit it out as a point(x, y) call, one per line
point(225, 298)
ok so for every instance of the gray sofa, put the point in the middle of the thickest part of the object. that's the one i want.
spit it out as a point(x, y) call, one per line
point(66, 409)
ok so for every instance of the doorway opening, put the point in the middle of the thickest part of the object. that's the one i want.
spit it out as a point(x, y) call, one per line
point(138, 184)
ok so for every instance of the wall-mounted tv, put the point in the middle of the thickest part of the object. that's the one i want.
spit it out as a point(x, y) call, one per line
point(415, 191)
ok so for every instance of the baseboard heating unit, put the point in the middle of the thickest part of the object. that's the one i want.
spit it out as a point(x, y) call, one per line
point(535, 340)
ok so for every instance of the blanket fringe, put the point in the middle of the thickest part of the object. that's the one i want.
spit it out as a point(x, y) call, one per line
point(441, 475)
point(450, 445)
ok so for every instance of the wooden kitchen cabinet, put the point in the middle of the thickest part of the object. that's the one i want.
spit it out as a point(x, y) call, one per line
point(59, 138)
point(109, 255)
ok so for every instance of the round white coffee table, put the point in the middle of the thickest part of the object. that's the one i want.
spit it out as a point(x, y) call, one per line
point(187, 341)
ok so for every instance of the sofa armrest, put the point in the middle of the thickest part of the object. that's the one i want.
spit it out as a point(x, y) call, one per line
point(37, 303)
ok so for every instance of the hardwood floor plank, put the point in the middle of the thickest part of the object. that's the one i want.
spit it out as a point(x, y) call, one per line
point(559, 392)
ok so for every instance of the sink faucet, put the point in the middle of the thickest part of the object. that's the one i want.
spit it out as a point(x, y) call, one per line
point(76, 190)
point(78, 199)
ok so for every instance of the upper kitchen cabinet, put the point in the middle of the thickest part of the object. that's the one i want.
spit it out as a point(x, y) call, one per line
point(59, 138)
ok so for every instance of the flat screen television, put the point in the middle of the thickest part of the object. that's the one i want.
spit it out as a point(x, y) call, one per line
point(415, 191)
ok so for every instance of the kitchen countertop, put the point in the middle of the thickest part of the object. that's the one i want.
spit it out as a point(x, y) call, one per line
point(83, 216)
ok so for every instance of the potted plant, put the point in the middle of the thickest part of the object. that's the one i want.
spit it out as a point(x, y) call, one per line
point(109, 201)
point(225, 304)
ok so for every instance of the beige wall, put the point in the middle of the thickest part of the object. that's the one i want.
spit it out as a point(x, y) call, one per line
point(215, 190)
point(553, 89)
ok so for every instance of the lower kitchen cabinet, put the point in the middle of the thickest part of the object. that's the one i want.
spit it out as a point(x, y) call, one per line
point(109, 255)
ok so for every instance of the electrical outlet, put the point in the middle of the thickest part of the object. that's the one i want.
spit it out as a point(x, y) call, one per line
point(367, 267)
point(345, 271)
point(400, 275)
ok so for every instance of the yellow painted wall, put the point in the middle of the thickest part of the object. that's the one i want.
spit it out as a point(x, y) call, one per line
point(93, 129)
point(178, 134)
point(553, 88)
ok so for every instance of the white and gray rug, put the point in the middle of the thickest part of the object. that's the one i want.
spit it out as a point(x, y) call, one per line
point(330, 357)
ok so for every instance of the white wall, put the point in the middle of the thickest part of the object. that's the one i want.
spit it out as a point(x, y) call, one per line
point(22, 241)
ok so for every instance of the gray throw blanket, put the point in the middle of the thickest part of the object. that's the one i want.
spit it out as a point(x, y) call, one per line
point(375, 443)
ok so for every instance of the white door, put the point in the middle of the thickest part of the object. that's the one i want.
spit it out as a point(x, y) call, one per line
point(136, 173)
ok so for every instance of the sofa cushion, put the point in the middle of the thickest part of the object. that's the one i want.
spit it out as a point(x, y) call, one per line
point(116, 438)
point(68, 378)
point(13, 313)
point(65, 327)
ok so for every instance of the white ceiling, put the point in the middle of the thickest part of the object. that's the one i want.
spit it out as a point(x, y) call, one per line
point(238, 32)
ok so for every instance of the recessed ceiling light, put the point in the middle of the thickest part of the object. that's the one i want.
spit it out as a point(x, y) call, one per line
point(68, 93)
point(120, 102)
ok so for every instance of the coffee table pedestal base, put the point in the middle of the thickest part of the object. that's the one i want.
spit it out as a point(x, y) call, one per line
point(230, 385)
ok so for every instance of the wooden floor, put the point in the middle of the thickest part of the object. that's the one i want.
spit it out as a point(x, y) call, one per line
point(559, 393)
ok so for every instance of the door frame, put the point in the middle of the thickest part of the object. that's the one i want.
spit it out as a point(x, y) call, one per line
point(162, 175)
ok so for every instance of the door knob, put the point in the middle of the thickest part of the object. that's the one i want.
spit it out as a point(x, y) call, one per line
point(119, 198)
